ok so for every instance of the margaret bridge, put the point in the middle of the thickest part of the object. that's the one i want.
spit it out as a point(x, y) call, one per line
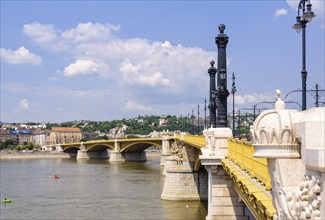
point(278, 175)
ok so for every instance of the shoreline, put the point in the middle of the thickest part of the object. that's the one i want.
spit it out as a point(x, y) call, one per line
point(32, 155)
point(7, 155)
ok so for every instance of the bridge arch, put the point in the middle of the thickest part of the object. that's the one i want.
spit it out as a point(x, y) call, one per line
point(139, 146)
point(100, 147)
point(71, 149)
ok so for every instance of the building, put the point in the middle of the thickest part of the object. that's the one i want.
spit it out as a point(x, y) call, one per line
point(62, 135)
point(40, 137)
point(7, 135)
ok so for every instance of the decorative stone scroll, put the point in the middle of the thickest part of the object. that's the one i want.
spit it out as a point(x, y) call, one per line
point(272, 133)
point(300, 203)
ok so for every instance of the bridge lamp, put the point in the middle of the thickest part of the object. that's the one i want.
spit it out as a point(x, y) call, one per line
point(222, 74)
point(301, 22)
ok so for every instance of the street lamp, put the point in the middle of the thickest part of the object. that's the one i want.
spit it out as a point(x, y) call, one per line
point(212, 105)
point(233, 90)
point(307, 16)
point(192, 130)
point(222, 93)
point(205, 113)
point(198, 119)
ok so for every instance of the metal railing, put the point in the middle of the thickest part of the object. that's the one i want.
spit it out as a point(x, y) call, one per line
point(241, 153)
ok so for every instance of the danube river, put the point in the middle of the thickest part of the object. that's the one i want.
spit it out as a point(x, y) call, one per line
point(88, 189)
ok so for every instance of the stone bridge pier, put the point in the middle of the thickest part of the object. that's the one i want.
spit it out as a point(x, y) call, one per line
point(84, 154)
point(182, 180)
point(117, 156)
point(223, 200)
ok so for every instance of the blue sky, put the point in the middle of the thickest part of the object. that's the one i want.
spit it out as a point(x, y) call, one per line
point(105, 60)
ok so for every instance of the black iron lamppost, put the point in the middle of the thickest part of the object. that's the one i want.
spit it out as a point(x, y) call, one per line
point(205, 113)
point(192, 130)
point(316, 103)
point(301, 24)
point(222, 93)
point(233, 91)
point(198, 119)
point(212, 105)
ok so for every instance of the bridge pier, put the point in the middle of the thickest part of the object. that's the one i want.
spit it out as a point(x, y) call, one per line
point(181, 182)
point(223, 200)
point(138, 156)
point(83, 154)
point(116, 156)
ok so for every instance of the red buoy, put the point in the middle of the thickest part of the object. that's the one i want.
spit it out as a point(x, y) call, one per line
point(56, 177)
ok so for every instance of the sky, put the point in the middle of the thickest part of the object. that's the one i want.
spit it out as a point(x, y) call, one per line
point(107, 60)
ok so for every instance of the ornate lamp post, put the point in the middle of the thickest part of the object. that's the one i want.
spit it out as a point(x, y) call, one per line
point(222, 93)
point(198, 119)
point(192, 130)
point(233, 91)
point(212, 105)
point(301, 24)
point(205, 113)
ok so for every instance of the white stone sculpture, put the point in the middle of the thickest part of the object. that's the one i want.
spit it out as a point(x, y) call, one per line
point(294, 144)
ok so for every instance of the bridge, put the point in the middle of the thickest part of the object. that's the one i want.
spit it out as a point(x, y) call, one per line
point(132, 149)
point(279, 175)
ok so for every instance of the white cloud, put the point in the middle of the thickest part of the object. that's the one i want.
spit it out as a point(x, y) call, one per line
point(81, 67)
point(86, 32)
point(41, 33)
point(133, 106)
point(20, 56)
point(47, 36)
point(23, 106)
point(135, 74)
point(280, 12)
point(252, 99)
point(131, 62)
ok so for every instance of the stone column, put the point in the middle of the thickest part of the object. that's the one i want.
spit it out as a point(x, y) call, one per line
point(165, 152)
point(223, 200)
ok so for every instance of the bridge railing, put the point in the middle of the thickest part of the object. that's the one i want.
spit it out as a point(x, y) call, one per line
point(197, 141)
point(241, 153)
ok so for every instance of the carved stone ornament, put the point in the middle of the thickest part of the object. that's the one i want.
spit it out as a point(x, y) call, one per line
point(272, 133)
point(177, 150)
point(300, 203)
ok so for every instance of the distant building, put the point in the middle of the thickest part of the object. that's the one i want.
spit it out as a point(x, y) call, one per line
point(7, 135)
point(62, 135)
point(163, 121)
point(40, 137)
point(25, 137)
point(89, 135)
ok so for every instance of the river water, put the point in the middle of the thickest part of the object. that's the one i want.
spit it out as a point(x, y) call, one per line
point(88, 189)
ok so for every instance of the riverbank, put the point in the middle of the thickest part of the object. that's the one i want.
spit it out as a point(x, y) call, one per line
point(30, 155)
point(46, 154)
